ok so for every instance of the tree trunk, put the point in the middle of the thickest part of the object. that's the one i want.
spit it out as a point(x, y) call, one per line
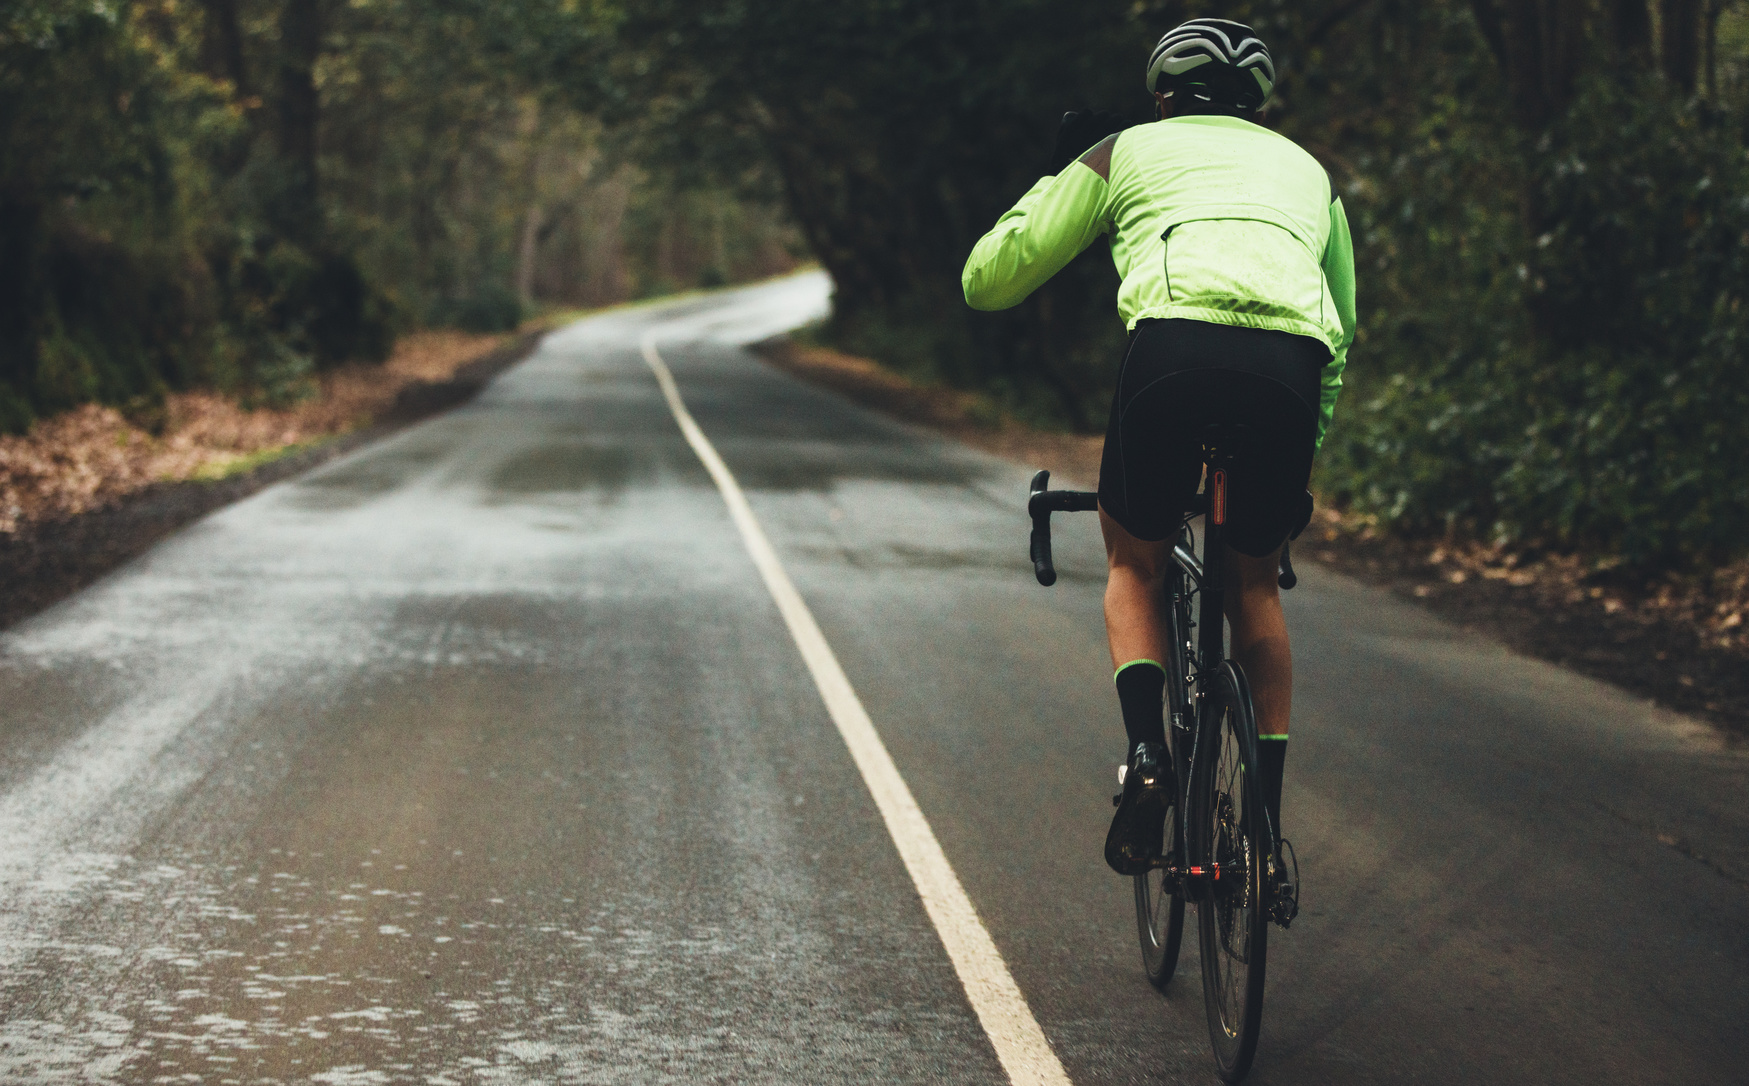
point(1631, 31)
point(527, 251)
point(1544, 48)
point(221, 46)
point(222, 58)
point(1540, 46)
point(1490, 20)
point(300, 43)
point(1681, 42)
point(23, 307)
point(1710, 46)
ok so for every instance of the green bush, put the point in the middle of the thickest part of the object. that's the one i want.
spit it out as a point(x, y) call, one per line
point(1580, 386)
point(492, 307)
point(137, 247)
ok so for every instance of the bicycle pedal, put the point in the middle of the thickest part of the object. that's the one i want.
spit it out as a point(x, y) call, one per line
point(1117, 800)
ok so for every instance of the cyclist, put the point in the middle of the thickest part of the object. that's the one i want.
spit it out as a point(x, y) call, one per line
point(1238, 291)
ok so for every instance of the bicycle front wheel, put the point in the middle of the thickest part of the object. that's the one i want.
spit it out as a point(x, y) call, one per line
point(1231, 840)
point(1160, 916)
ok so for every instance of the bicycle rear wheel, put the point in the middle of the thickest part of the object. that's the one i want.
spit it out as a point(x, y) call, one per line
point(1159, 911)
point(1229, 825)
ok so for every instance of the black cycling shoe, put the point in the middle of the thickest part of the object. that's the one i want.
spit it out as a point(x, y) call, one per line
point(1139, 825)
point(1284, 885)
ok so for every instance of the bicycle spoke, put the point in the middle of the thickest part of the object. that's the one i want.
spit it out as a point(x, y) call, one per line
point(1232, 938)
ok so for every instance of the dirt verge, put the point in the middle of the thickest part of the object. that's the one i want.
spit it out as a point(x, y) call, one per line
point(1674, 638)
point(97, 507)
point(1677, 639)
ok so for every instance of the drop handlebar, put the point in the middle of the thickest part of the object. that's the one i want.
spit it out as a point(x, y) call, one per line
point(1040, 505)
point(1043, 501)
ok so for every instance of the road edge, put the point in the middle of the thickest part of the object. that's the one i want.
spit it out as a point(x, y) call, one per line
point(55, 559)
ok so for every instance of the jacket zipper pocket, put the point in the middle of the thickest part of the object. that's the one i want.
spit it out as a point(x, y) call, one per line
point(1166, 257)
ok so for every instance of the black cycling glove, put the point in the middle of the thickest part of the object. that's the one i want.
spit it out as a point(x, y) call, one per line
point(1080, 130)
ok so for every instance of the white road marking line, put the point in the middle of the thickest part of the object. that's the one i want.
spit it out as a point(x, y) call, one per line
point(1019, 1042)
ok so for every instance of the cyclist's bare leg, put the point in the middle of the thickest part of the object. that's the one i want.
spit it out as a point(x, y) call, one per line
point(1137, 631)
point(1260, 637)
point(1260, 647)
point(1136, 572)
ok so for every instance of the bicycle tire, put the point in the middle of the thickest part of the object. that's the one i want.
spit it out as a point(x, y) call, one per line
point(1159, 921)
point(1230, 824)
point(1160, 913)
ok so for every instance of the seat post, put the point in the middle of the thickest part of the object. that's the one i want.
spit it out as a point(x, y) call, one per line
point(1219, 444)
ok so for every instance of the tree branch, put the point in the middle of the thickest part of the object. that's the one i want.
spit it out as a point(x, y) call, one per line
point(1681, 27)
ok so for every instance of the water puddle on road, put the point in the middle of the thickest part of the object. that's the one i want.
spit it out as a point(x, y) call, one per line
point(820, 468)
point(264, 974)
point(567, 467)
point(375, 471)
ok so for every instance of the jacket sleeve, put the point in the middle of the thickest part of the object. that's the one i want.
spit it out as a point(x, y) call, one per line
point(1052, 223)
point(1339, 272)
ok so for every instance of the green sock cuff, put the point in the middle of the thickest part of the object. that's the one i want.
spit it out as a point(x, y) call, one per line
point(1277, 738)
point(1125, 667)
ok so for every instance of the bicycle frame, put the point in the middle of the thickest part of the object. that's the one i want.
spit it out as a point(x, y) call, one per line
point(1189, 870)
point(1223, 843)
point(1191, 873)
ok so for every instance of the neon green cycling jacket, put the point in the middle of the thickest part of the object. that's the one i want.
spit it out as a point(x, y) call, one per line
point(1210, 218)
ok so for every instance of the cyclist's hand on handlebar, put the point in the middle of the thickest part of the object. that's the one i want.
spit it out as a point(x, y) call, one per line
point(1080, 130)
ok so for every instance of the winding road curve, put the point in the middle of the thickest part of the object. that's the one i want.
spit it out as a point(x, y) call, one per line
point(486, 754)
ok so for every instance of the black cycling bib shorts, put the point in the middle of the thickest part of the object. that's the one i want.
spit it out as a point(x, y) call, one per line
point(1179, 377)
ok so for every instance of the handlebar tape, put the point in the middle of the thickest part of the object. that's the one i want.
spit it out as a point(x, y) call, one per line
point(1041, 553)
point(1039, 510)
point(1042, 502)
point(1288, 578)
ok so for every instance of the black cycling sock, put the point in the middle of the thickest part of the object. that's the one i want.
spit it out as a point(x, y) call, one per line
point(1141, 690)
point(1271, 761)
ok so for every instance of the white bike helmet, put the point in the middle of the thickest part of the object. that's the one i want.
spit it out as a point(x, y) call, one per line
point(1216, 60)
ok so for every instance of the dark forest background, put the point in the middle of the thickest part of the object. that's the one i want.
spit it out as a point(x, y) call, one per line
point(1550, 201)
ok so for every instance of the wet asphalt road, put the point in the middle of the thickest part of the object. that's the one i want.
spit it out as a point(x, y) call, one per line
point(482, 755)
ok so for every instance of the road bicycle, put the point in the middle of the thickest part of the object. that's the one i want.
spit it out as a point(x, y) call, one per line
point(1218, 846)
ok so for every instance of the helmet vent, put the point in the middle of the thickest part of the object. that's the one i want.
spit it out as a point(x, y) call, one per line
point(1215, 59)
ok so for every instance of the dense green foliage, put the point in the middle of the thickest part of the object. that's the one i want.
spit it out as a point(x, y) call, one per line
point(1553, 277)
point(1548, 195)
point(899, 130)
point(1548, 199)
point(236, 193)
